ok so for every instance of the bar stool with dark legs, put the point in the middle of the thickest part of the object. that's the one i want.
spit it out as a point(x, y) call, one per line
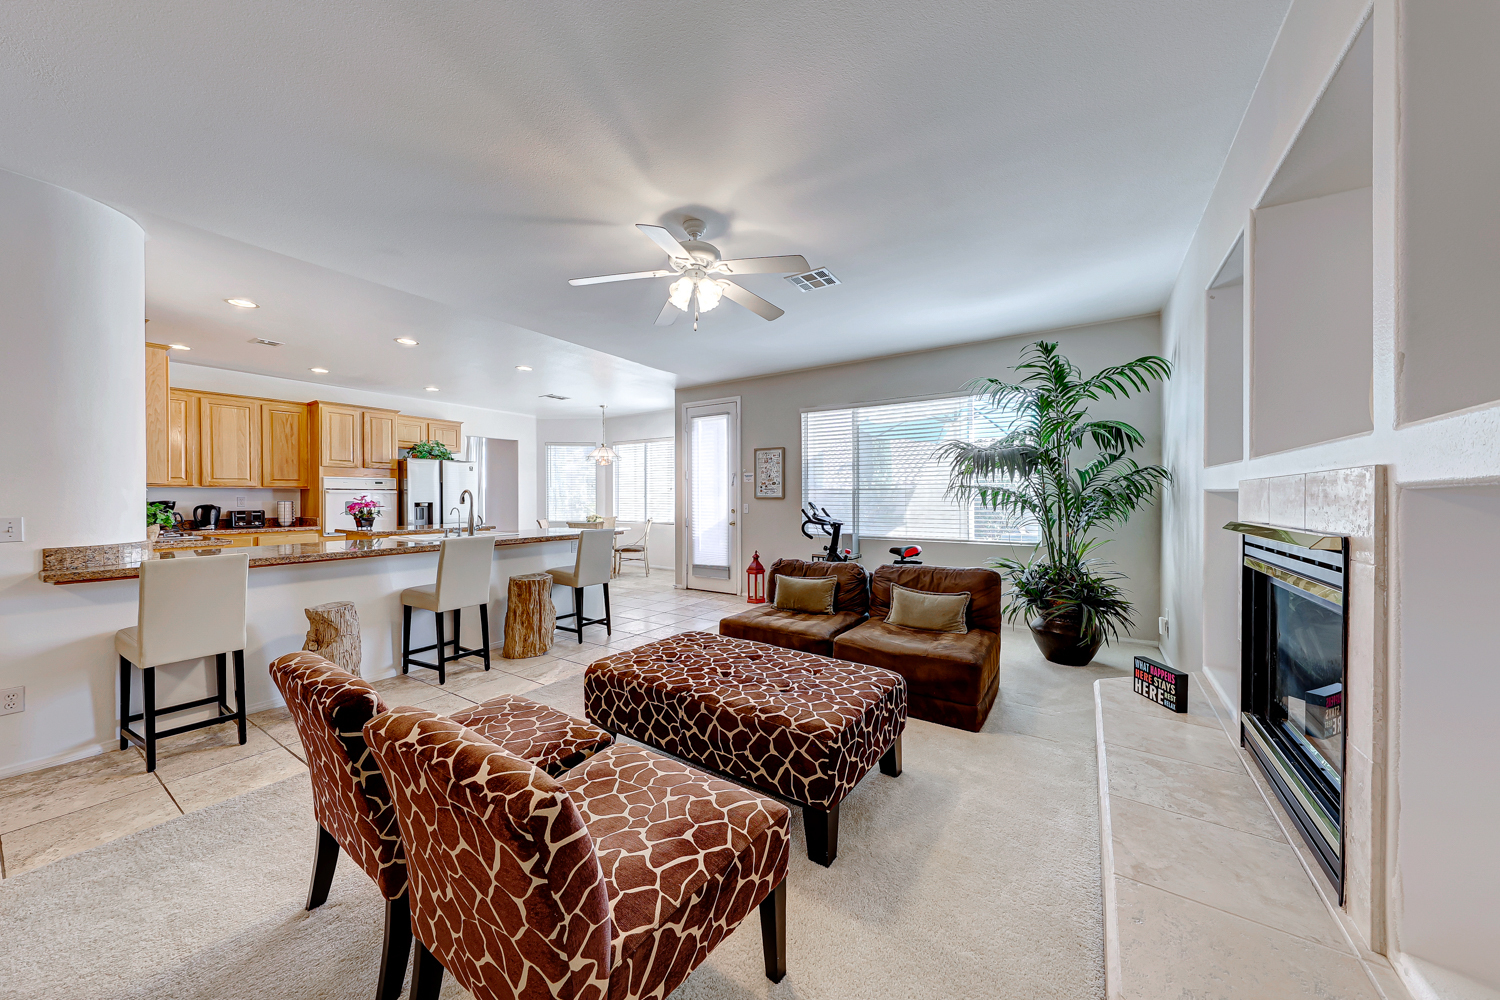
point(592, 566)
point(190, 607)
point(463, 581)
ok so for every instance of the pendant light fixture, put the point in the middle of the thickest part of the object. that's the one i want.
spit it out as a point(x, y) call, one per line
point(604, 454)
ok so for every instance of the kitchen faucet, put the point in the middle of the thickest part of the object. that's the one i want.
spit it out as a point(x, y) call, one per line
point(470, 495)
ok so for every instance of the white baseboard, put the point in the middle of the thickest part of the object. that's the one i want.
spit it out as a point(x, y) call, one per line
point(27, 766)
point(1426, 981)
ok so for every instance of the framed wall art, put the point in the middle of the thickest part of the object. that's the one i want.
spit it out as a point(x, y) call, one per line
point(770, 473)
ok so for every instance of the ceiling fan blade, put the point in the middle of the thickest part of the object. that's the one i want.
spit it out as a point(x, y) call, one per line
point(669, 314)
point(600, 279)
point(790, 264)
point(665, 240)
point(751, 301)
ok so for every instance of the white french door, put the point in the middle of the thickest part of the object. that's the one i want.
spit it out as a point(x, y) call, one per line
point(711, 447)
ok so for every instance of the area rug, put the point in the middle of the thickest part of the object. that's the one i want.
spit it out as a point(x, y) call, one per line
point(973, 875)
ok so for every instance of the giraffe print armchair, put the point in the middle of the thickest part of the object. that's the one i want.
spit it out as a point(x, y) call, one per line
point(616, 880)
point(351, 802)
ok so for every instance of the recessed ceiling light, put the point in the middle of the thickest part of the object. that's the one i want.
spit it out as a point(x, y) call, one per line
point(178, 347)
point(243, 303)
point(406, 342)
point(320, 371)
point(431, 388)
point(523, 368)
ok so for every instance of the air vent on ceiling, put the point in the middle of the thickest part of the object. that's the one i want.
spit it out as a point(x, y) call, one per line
point(552, 395)
point(809, 280)
point(268, 343)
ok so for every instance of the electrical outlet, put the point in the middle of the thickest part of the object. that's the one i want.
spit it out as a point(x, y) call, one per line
point(12, 700)
point(1163, 626)
point(12, 529)
point(239, 502)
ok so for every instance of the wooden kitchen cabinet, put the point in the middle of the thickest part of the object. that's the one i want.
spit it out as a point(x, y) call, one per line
point(229, 441)
point(448, 432)
point(340, 436)
point(409, 430)
point(284, 445)
point(379, 427)
point(182, 438)
point(158, 430)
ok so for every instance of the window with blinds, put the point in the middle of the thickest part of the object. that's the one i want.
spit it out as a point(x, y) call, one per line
point(571, 479)
point(876, 468)
point(645, 481)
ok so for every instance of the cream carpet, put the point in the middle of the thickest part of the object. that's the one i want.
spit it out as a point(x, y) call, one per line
point(973, 875)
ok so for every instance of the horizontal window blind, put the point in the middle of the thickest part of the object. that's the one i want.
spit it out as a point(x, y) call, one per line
point(876, 468)
point(645, 480)
point(571, 479)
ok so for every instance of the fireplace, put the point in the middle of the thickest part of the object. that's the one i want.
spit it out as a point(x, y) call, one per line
point(1294, 658)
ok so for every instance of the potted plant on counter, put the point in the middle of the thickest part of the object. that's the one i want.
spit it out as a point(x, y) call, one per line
point(364, 511)
point(1071, 475)
point(157, 518)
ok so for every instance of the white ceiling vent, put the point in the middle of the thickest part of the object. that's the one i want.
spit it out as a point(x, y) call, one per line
point(268, 343)
point(552, 395)
point(809, 280)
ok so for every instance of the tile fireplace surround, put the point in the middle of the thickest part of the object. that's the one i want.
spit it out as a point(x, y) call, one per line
point(1350, 502)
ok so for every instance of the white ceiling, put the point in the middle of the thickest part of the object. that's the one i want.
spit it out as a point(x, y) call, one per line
point(968, 168)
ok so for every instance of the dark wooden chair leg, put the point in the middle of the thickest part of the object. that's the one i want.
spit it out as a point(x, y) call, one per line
point(221, 661)
point(609, 625)
point(427, 976)
point(124, 700)
point(578, 608)
point(405, 638)
point(441, 664)
point(822, 834)
point(148, 711)
point(239, 692)
point(325, 860)
point(773, 932)
point(458, 631)
point(484, 633)
point(395, 949)
point(890, 763)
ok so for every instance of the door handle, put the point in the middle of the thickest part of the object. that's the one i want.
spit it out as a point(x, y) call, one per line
point(731, 524)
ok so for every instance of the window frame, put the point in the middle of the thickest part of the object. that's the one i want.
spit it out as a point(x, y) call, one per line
point(547, 478)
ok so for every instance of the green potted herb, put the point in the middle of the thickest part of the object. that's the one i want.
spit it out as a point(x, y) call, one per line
point(1071, 475)
point(157, 518)
point(430, 449)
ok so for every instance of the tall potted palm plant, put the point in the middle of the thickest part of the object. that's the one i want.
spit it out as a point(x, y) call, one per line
point(1073, 476)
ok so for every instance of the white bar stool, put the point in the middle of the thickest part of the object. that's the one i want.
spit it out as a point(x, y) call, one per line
point(190, 606)
point(463, 580)
point(596, 552)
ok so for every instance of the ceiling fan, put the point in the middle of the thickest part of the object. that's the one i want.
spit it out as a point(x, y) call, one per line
point(698, 268)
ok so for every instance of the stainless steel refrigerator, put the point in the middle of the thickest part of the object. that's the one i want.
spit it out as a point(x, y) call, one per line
point(458, 476)
point(432, 492)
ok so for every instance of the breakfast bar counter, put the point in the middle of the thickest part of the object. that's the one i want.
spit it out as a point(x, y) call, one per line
point(89, 563)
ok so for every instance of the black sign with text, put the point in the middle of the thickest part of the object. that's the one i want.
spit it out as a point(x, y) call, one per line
point(1161, 684)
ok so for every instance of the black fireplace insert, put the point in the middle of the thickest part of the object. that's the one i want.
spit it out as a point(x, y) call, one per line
point(1294, 653)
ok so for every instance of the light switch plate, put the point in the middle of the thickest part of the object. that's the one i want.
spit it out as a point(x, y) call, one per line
point(12, 700)
point(12, 529)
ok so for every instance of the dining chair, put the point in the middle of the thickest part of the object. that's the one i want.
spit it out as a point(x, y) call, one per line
point(625, 553)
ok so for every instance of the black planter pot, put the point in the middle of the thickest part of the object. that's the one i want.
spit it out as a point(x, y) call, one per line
point(1060, 641)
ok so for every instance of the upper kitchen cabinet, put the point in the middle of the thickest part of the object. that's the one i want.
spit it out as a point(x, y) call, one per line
point(447, 432)
point(229, 440)
point(340, 434)
point(158, 434)
point(379, 439)
point(409, 430)
point(182, 438)
point(284, 460)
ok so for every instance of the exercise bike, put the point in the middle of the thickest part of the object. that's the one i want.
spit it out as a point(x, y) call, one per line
point(813, 516)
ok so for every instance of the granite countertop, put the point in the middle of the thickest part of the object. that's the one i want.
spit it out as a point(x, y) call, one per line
point(85, 563)
point(270, 529)
point(397, 532)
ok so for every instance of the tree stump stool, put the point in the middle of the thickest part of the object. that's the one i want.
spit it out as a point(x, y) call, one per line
point(334, 633)
point(530, 616)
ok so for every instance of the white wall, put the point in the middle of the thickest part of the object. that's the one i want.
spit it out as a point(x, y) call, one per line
point(72, 402)
point(1444, 51)
point(771, 416)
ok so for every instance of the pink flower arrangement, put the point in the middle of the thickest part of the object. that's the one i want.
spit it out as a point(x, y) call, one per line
point(362, 507)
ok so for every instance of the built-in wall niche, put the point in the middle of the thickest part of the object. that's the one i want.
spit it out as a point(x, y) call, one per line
point(1311, 279)
point(1224, 362)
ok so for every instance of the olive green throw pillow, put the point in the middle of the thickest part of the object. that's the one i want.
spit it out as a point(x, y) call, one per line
point(929, 612)
point(810, 594)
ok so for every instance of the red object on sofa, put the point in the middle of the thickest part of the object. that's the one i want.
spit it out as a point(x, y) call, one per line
point(952, 678)
point(794, 629)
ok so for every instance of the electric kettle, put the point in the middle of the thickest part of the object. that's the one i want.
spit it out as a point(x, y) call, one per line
point(205, 515)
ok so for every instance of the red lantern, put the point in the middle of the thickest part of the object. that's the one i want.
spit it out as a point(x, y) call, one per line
point(755, 581)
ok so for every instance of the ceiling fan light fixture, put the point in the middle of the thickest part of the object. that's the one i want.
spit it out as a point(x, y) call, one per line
point(680, 293)
point(709, 293)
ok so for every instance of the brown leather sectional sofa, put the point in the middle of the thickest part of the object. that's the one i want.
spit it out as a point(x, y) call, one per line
point(952, 679)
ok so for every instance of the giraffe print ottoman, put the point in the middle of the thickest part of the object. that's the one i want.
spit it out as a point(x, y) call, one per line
point(802, 727)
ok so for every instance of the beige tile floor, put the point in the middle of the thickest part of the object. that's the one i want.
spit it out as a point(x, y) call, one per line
point(49, 814)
